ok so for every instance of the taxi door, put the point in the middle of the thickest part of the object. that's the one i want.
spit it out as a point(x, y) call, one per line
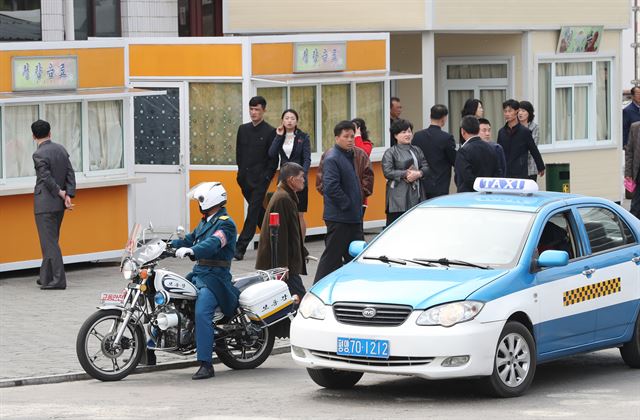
point(565, 322)
point(614, 255)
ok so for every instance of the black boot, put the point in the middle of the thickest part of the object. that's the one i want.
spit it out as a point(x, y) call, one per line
point(205, 371)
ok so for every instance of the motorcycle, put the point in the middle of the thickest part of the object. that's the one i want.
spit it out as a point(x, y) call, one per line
point(156, 312)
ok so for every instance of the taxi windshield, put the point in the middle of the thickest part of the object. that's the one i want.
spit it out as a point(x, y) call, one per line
point(486, 237)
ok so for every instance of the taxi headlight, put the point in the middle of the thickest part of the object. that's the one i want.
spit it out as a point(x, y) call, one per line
point(129, 270)
point(450, 314)
point(312, 307)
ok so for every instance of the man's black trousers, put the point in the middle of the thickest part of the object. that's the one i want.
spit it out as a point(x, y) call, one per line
point(255, 214)
point(336, 246)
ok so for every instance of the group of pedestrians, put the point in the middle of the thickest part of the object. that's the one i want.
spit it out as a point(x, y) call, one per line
point(419, 166)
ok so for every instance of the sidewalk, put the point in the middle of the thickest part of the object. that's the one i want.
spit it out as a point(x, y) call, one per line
point(38, 328)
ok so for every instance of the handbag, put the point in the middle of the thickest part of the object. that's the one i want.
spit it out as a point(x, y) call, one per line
point(629, 185)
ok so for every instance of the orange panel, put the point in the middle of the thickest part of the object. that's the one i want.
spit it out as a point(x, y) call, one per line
point(97, 67)
point(366, 55)
point(97, 224)
point(272, 58)
point(185, 60)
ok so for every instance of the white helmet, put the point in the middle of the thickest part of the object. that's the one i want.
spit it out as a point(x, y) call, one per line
point(208, 195)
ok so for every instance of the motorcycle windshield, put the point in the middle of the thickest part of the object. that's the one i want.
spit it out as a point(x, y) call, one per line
point(132, 243)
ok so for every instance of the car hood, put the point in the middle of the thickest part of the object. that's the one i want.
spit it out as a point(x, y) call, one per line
point(420, 287)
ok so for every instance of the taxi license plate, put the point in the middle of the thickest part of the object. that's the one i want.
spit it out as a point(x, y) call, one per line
point(363, 347)
point(112, 298)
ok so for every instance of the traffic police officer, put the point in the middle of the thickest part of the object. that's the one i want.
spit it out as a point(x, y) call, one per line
point(212, 244)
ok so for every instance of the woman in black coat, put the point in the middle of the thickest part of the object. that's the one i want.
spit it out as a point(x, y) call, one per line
point(293, 145)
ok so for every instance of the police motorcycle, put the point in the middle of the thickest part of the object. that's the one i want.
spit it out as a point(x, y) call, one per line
point(156, 312)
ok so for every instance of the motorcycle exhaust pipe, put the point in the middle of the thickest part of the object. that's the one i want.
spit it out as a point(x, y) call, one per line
point(166, 321)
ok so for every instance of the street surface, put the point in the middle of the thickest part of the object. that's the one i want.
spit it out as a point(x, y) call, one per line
point(592, 386)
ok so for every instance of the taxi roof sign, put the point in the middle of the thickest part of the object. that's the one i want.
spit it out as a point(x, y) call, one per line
point(505, 185)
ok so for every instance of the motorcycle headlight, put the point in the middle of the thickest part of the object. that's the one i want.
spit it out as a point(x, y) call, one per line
point(312, 307)
point(129, 270)
point(450, 314)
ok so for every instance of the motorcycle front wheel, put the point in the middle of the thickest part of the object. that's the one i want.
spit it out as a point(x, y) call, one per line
point(247, 345)
point(97, 352)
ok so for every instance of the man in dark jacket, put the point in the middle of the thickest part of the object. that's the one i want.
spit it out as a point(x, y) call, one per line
point(439, 148)
point(517, 142)
point(342, 201)
point(630, 113)
point(476, 158)
point(291, 250)
point(255, 168)
point(55, 186)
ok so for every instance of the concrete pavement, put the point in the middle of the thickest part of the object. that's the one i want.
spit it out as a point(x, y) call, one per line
point(38, 328)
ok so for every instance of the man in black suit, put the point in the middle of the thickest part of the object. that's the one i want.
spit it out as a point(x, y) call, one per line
point(55, 186)
point(476, 158)
point(439, 148)
point(255, 168)
point(517, 142)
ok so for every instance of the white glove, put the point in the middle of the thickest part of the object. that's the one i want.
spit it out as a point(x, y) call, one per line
point(183, 252)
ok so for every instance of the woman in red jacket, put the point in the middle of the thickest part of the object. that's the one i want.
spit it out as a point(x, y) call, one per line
point(362, 142)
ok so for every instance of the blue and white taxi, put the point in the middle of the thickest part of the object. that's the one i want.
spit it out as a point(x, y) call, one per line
point(485, 284)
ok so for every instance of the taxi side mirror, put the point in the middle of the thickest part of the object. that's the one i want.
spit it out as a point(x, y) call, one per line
point(553, 258)
point(356, 247)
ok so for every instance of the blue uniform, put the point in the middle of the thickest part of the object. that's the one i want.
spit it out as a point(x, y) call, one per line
point(214, 239)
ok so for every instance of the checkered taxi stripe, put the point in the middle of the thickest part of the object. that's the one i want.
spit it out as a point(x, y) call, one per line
point(591, 291)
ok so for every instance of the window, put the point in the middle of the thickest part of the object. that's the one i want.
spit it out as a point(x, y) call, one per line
point(156, 130)
point(91, 132)
point(605, 229)
point(336, 107)
point(96, 18)
point(558, 235)
point(200, 17)
point(20, 20)
point(106, 140)
point(464, 79)
point(215, 112)
point(338, 102)
point(574, 101)
point(370, 107)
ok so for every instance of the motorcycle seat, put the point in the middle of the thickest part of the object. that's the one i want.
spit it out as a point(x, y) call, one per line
point(242, 283)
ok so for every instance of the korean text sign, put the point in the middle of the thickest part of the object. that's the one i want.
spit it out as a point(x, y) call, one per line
point(319, 57)
point(44, 73)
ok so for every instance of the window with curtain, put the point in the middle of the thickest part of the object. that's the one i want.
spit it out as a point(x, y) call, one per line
point(66, 129)
point(106, 139)
point(303, 100)
point(370, 107)
point(574, 101)
point(476, 71)
point(276, 98)
point(336, 107)
point(18, 139)
point(457, 98)
point(156, 128)
point(215, 114)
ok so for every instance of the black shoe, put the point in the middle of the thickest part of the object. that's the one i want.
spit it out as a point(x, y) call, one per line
point(204, 372)
point(239, 256)
point(151, 358)
point(52, 287)
point(38, 282)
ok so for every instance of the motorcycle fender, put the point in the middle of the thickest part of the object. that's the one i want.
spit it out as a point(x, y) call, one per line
point(107, 307)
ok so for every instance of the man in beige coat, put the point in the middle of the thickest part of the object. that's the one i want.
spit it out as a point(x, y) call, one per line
point(632, 165)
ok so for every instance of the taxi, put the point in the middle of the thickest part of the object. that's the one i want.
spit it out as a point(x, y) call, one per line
point(485, 284)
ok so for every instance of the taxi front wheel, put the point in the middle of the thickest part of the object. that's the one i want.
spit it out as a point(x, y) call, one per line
point(630, 351)
point(514, 362)
point(334, 379)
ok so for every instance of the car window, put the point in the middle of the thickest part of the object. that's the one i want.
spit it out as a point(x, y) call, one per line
point(477, 235)
point(605, 229)
point(558, 235)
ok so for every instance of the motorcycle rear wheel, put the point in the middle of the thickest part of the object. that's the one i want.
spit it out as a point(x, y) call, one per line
point(246, 351)
point(96, 353)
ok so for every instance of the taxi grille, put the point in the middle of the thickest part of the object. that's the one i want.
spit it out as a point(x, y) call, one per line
point(371, 361)
point(385, 315)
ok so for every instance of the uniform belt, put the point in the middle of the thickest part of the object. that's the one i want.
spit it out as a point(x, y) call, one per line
point(215, 263)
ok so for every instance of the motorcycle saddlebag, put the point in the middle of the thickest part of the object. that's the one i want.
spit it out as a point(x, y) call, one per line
point(268, 301)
